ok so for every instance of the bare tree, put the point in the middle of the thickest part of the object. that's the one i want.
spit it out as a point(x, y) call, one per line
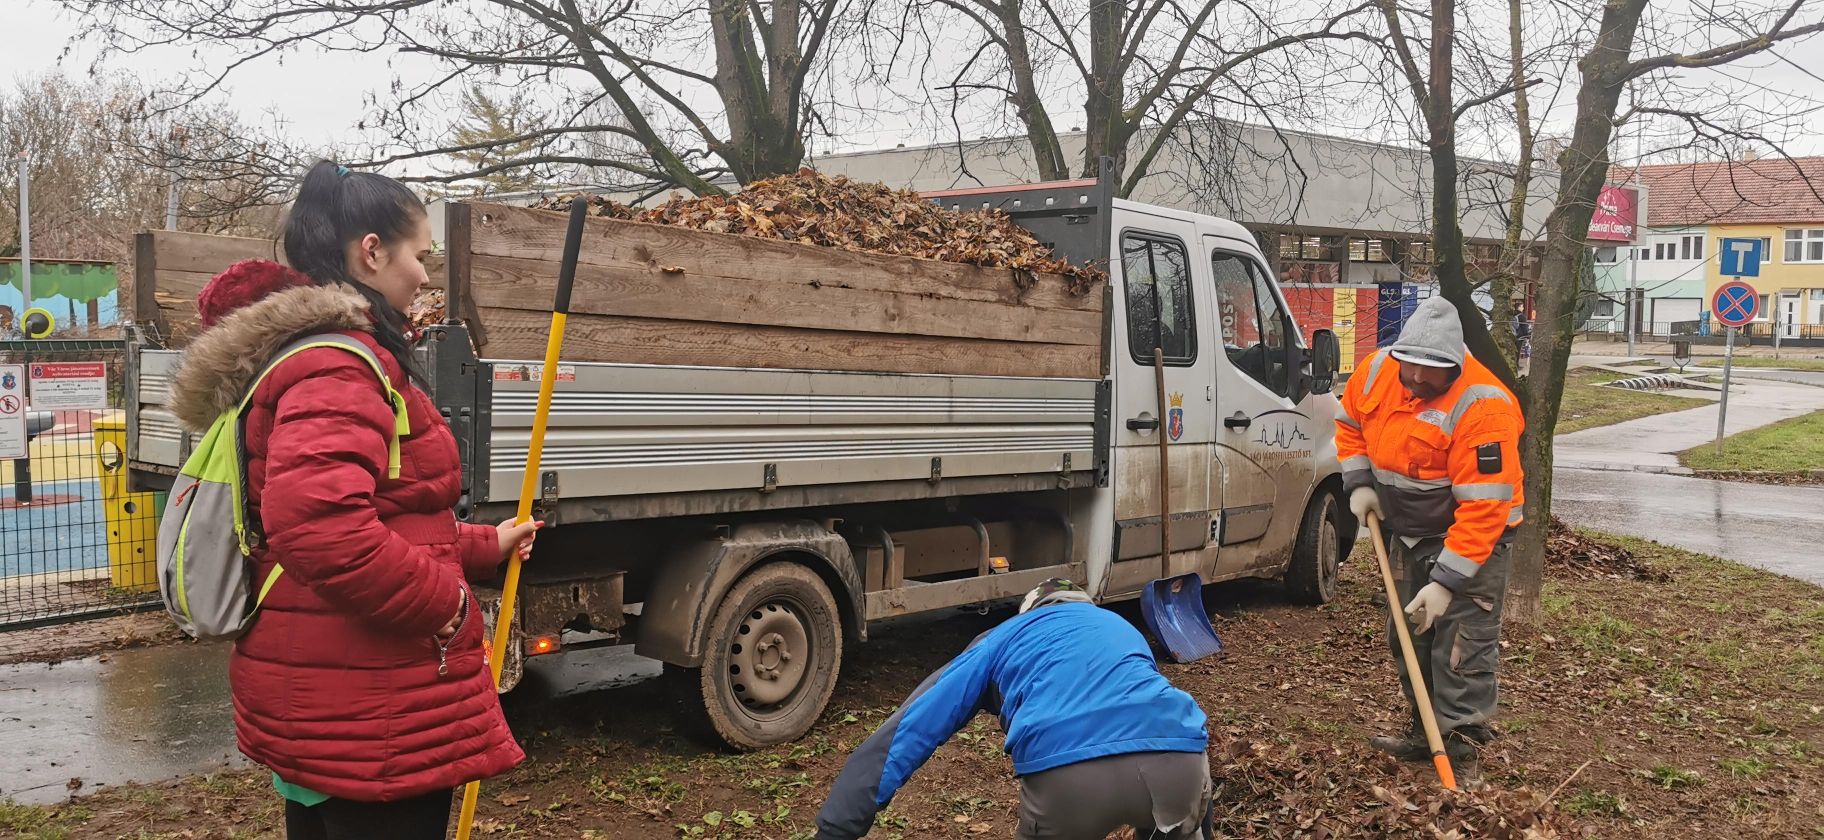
point(101, 170)
point(1610, 70)
point(748, 117)
point(1142, 69)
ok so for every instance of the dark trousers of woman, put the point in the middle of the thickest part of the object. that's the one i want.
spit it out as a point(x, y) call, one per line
point(425, 817)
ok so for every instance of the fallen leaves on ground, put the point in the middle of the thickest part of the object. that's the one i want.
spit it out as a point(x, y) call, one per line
point(1797, 478)
point(1570, 554)
point(1335, 791)
point(837, 212)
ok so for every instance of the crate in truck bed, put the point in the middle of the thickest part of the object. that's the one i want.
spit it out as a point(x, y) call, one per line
point(655, 294)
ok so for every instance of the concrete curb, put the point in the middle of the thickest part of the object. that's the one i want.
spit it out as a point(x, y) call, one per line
point(1611, 466)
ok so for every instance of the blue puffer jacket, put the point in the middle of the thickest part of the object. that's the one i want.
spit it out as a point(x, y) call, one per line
point(1070, 682)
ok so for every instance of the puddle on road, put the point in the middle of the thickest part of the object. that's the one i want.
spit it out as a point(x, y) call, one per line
point(156, 713)
point(142, 715)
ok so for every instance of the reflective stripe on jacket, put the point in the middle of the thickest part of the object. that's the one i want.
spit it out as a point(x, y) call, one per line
point(1449, 465)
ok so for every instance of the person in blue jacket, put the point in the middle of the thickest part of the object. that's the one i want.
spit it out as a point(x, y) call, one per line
point(1099, 738)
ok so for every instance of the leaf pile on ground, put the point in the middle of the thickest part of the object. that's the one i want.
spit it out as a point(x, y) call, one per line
point(1571, 554)
point(1804, 478)
point(1341, 790)
point(837, 212)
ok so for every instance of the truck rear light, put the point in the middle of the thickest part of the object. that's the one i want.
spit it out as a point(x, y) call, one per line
point(540, 645)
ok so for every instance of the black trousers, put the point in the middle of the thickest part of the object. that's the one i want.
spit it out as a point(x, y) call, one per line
point(425, 817)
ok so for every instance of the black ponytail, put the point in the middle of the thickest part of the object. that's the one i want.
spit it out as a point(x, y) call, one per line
point(336, 206)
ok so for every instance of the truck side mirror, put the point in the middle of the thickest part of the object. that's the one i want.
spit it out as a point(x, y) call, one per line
point(1326, 356)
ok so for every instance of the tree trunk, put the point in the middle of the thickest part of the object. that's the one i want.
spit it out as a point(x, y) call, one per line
point(1047, 151)
point(1583, 168)
point(1106, 130)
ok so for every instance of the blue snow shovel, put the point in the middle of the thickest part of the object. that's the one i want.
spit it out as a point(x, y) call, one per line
point(1173, 606)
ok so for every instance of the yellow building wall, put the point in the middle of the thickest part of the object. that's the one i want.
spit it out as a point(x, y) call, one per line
point(1777, 275)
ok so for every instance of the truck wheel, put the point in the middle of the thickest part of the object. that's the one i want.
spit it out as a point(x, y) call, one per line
point(771, 657)
point(1311, 579)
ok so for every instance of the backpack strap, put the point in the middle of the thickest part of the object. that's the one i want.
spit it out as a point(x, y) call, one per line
point(401, 421)
point(401, 425)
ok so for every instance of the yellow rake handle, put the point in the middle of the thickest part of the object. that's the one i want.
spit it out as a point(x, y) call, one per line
point(528, 489)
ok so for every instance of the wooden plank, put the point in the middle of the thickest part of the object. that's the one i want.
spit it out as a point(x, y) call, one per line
point(145, 266)
point(520, 334)
point(648, 292)
point(503, 231)
point(208, 254)
point(459, 302)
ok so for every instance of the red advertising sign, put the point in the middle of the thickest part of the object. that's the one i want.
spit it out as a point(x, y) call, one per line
point(1617, 213)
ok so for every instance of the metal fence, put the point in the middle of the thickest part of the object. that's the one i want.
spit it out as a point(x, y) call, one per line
point(73, 541)
point(1758, 333)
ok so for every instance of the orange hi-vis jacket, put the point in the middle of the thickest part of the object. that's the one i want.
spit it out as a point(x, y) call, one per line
point(1449, 465)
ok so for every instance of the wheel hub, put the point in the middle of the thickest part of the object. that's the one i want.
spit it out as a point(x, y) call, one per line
point(768, 654)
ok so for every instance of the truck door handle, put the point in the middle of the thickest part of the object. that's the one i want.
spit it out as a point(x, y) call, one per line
point(1237, 420)
point(1144, 423)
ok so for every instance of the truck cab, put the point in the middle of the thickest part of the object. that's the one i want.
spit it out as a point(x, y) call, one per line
point(1255, 482)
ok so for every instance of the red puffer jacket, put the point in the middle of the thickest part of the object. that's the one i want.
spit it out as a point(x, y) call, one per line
point(337, 685)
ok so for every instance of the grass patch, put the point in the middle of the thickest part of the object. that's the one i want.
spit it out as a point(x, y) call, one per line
point(1596, 803)
point(1672, 778)
point(1758, 362)
point(1588, 405)
point(1789, 446)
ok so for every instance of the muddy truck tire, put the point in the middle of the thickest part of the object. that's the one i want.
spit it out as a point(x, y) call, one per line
point(1311, 577)
point(770, 659)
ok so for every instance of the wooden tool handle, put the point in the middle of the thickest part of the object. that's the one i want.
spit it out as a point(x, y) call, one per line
point(1421, 696)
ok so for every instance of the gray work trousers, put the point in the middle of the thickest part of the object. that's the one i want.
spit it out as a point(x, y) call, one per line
point(1459, 655)
point(1162, 795)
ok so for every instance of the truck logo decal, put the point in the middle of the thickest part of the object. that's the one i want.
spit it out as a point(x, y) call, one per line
point(1175, 422)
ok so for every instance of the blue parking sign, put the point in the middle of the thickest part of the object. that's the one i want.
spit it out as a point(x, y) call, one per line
point(1740, 257)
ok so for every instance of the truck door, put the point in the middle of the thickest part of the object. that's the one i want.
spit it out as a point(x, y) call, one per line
point(1265, 442)
point(1158, 274)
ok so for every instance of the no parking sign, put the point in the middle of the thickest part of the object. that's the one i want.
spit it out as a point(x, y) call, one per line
point(1736, 304)
point(12, 412)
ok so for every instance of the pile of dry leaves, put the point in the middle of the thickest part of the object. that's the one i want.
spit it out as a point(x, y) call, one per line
point(1324, 792)
point(426, 309)
point(836, 212)
point(1570, 554)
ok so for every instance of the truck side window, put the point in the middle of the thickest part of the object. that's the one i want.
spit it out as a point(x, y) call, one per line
point(1254, 327)
point(1149, 262)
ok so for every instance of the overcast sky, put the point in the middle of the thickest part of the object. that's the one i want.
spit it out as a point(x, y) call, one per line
point(320, 98)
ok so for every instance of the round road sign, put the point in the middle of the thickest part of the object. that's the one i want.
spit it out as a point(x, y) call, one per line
point(1735, 304)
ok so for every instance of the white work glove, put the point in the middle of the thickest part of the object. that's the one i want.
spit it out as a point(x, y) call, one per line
point(1363, 500)
point(1430, 603)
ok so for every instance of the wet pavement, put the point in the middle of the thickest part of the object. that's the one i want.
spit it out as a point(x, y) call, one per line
point(1652, 444)
point(150, 714)
point(1766, 526)
point(137, 715)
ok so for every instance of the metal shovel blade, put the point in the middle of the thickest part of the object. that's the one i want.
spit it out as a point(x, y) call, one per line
point(1173, 608)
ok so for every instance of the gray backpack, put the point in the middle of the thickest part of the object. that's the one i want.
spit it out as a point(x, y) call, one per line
point(205, 546)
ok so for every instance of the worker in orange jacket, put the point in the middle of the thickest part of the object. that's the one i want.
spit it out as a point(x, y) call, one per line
point(1429, 440)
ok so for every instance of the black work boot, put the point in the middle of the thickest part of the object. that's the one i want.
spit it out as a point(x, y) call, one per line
point(1465, 755)
point(1407, 746)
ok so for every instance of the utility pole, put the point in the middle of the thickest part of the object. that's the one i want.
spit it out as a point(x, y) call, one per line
point(171, 201)
point(25, 229)
point(1628, 307)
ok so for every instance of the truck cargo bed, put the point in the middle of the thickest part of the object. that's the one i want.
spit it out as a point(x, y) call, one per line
point(625, 433)
point(642, 441)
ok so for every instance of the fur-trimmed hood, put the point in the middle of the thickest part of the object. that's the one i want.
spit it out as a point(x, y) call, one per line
point(220, 364)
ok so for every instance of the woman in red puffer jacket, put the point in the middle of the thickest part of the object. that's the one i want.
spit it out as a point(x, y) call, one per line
point(363, 684)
